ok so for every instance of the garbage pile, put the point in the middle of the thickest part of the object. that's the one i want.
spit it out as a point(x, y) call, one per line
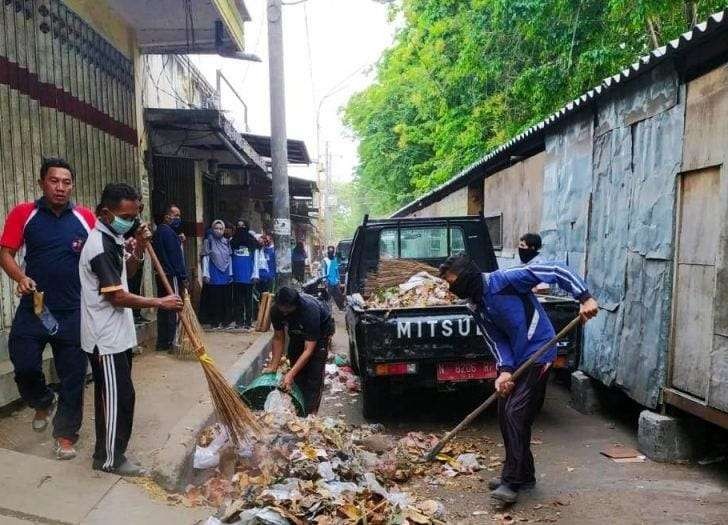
point(420, 290)
point(322, 471)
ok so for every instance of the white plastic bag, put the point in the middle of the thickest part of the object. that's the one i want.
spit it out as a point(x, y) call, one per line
point(209, 456)
point(279, 402)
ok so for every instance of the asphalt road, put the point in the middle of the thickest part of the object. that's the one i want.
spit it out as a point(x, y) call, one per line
point(576, 484)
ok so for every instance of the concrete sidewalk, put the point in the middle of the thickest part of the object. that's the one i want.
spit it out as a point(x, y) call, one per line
point(172, 406)
point(39, 490)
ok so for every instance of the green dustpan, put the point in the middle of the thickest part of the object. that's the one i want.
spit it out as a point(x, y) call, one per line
point(257, 391)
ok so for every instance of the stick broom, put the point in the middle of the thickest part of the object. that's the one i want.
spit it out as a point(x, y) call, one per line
point(231, 410)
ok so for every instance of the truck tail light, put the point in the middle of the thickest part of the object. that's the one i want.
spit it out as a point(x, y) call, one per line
point(395, 369)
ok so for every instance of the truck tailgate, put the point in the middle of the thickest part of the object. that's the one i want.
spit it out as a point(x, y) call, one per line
point(423, 334)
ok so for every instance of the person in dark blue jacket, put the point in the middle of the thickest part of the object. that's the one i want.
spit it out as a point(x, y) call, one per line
point(514, 326)
point(167, 244)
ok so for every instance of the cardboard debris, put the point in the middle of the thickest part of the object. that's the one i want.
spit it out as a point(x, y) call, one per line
point(621, 454)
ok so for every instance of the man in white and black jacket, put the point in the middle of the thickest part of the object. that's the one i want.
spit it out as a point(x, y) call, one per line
point(515, 326)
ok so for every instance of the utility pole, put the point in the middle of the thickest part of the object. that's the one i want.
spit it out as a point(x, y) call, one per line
point(279, 143)
point(329, 210)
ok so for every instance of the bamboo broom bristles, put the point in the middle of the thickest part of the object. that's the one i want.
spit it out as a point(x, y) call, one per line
point(231, 410)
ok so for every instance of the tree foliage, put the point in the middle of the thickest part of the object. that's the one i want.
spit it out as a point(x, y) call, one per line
point(464, 76)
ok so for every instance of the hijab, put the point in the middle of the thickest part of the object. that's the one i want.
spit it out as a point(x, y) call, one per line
point(218, 249)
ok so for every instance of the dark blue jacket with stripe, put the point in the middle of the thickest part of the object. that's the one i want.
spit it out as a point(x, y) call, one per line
point(513, 322)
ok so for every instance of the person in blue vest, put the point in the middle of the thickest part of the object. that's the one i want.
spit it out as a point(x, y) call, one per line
point(330, 271)
point(243, 245)
point(168, 247)
point(514, 326)
point(217, 274)
point(53, 231)
point(266, 273)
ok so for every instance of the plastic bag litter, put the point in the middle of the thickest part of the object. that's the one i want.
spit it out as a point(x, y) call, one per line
point(261, 516)
point(468, 462)
point(286, 491)
point(278, 402)
point(326, 471)
point(209, 456)
point(336, 488)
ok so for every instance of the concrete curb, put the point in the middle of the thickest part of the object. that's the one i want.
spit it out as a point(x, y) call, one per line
point(173, 464)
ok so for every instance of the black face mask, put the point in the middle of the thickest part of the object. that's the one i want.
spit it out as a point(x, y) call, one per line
point(526, 254)
point(331, 255)
point(469, 285)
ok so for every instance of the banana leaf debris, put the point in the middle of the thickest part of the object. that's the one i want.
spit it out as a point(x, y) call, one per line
point(320, 470)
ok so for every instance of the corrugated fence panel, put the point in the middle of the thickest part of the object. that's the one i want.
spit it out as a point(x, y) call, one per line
point(567, 190)
point(64, 91)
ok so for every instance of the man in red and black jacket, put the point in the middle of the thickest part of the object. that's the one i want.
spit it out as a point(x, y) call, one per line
point(52, 231)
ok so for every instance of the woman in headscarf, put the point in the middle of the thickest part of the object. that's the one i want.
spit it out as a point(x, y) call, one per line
point(217, 271)
point(298, 259)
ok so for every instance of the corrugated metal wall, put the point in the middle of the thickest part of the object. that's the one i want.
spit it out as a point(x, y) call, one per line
point(64, 91)
point(609, 209)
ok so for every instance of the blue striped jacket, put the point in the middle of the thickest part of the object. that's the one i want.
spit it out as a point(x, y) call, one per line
point(513, 322)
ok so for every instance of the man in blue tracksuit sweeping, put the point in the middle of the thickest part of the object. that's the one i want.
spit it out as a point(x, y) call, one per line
point(515, 326)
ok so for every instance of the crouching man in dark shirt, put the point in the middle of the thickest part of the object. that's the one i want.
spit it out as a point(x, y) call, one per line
point(310, 327)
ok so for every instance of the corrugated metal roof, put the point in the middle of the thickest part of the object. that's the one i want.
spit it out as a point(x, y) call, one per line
point(685, 42)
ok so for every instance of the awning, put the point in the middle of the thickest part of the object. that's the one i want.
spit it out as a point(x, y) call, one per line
point(194, 27)
point(201, 134)
point(297, 151)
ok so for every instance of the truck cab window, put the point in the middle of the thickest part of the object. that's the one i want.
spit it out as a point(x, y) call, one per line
point(420, 243)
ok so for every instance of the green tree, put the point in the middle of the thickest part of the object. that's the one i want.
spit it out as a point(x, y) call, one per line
point(464, 76)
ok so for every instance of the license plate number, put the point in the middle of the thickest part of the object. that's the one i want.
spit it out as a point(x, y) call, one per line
point(465, 371)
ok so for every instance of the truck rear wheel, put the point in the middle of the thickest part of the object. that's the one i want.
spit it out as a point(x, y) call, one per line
point(372, 398)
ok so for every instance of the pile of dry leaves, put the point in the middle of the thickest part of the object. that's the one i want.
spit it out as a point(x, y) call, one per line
point(420, 290)
point(319, 470)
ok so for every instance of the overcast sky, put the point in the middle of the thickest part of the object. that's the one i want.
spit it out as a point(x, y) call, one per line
point(345, 38)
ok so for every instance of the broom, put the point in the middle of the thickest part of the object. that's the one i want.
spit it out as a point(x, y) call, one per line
point(231, 410)
point(187, 348)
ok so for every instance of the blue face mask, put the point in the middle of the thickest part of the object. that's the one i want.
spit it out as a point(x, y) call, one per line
point(121, 226)
point(175, 223)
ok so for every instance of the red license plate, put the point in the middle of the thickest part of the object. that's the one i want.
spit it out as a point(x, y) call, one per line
point(465, 371)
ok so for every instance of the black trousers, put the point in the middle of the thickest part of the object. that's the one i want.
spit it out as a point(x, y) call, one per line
point(243, 303)
point(166, 320)
point(114, 400)
point(26, 342)
point(311, 377)
point(516, 414)
point(215, 304)
point(299, 271)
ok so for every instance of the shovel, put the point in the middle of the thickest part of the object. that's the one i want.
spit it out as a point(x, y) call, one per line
point(475, 413)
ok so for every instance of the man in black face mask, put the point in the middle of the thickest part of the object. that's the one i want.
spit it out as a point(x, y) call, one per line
point(528, 247)
point(515, 326)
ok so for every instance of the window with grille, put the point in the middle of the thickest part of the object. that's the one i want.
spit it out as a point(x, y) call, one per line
point(494, 223)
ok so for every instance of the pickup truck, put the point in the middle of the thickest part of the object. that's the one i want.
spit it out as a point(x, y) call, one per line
point(426, 347)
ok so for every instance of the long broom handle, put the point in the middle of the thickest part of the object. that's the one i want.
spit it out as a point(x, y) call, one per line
point(170, 291)
point(518, 373)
